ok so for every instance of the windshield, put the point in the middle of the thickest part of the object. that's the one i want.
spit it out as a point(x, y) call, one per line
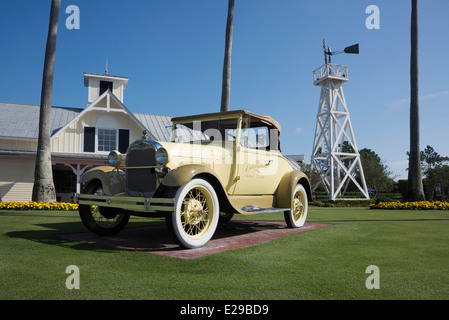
point(213, 130)
point(255, 135)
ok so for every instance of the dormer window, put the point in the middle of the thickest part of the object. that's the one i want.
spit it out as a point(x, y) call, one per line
point(104, 86)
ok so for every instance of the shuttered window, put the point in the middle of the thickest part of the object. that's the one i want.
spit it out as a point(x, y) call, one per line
point(123, 140)
point(89, 139)
point(105, 140)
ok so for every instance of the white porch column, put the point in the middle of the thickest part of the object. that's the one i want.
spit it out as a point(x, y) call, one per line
point(78, 172)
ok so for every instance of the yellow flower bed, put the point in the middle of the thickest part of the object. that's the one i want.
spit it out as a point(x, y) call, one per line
point(419, 205)
point(32, 205)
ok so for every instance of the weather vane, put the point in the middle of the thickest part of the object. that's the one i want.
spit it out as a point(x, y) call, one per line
point(354, 49)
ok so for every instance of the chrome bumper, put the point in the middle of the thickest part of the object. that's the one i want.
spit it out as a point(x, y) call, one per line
point(128, 203)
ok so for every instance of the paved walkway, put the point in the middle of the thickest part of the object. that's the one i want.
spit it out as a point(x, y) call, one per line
point(235, 234)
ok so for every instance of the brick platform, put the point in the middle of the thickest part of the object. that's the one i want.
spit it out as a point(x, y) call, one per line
point(155, 239)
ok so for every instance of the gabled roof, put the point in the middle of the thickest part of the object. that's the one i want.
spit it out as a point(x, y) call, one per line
point(21, 121)
point(93, 106)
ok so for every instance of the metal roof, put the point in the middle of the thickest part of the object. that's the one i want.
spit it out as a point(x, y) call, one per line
point(159, 126)
point(21, 121)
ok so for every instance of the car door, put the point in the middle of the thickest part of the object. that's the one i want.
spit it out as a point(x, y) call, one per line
point(257, 165)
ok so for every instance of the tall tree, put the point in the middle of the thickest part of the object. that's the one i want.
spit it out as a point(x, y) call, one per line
point(415, 190)
point(226, 85)
point(430, 158)
point(377, 173)
point(43, 188)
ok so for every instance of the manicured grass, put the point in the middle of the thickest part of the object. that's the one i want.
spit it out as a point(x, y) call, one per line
point(409, 247)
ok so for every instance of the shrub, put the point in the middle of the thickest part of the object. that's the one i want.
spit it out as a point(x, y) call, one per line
point(32, 205)
point(419, 205)
point(341, 203)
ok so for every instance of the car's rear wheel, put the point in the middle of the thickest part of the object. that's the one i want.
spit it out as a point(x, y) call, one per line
point(100, 220)
point(296, 217)
point(196, 214)
point(225, 217)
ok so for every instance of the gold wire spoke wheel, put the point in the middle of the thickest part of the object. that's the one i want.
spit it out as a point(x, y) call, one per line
point(196, 210)
point(296, 216)
point(104, 219)
point(299, 205)
point(196, 213)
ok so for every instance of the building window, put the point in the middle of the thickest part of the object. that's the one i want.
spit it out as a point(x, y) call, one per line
point(104, 86)
point(107, 139)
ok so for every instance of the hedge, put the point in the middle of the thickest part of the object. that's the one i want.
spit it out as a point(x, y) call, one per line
point(419, 205)
point(32, 205)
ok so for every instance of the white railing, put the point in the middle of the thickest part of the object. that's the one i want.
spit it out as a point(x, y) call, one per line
point(330, 70)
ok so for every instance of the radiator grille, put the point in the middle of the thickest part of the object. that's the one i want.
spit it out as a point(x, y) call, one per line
point(140, 182)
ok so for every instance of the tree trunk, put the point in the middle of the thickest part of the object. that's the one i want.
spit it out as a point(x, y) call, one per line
point(226, 86)
point(415, 190)
point(44, 189)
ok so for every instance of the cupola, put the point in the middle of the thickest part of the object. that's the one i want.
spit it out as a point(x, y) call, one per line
point(100, 83)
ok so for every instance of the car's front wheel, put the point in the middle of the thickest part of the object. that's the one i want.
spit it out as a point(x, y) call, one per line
point(296, 217)
point(100, 220)
point(196, 214)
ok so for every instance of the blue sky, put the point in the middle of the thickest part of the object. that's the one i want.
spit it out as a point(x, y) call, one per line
point(172, 52)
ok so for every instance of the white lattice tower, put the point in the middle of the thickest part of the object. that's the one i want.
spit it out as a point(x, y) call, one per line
point(335, 154)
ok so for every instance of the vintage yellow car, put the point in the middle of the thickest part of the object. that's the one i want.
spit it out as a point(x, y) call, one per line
point(216, 165)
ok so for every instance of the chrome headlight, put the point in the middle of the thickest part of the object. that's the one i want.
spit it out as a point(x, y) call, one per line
point(161, 156)
point(115, 158)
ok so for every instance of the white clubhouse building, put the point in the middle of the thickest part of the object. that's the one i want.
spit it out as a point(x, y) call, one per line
point(81, 138)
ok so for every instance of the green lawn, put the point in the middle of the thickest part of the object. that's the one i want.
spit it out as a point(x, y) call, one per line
point(411, 249)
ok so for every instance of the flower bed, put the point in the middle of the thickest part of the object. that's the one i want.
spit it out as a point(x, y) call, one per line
point(419, 205)
point(32, 205)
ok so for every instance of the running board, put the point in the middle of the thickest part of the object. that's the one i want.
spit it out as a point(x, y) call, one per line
point(257, 210)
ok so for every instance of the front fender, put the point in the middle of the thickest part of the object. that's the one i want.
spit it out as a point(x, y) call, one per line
point(181, 175)
point(112, 180)
point(287, 185)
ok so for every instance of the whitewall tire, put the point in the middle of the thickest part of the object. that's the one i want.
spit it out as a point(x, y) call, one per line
point(296, 217)
point(196, 214)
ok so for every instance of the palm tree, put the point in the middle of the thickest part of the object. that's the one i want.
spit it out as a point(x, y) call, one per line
point(43, 188)
point(415, 190)
point(226, 85)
